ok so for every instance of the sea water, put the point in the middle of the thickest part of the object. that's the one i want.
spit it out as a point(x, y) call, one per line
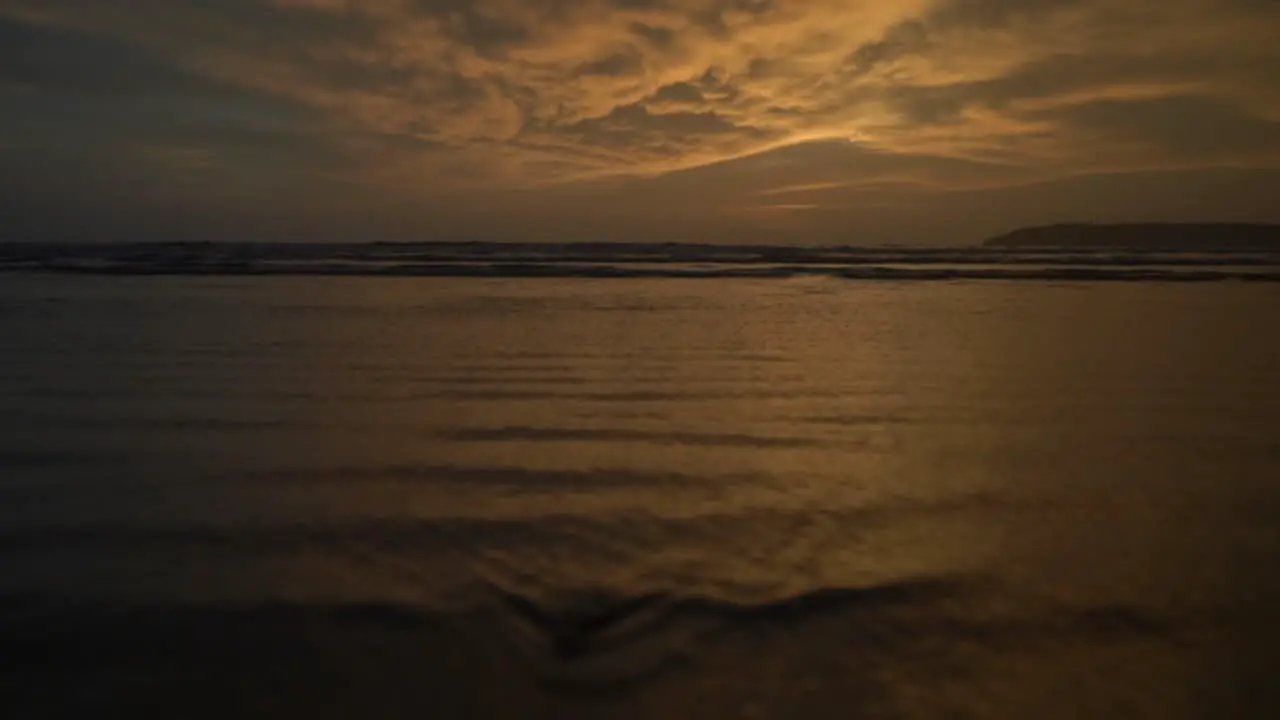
point(639, 497)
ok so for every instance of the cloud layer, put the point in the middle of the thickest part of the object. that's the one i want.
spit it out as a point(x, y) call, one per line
point(475, 117)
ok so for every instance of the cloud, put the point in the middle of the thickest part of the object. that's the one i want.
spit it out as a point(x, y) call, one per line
point(1169, 127)
point(446, 102)
point(104, 105)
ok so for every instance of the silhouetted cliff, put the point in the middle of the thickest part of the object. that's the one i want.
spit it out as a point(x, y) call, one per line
point(1205, 237)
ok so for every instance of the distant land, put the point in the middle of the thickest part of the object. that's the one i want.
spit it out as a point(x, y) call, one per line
point(1190, 237)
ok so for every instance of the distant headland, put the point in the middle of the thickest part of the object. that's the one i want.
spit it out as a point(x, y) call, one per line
point(1190, 237)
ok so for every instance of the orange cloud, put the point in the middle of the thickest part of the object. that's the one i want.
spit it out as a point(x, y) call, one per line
point(454, 96)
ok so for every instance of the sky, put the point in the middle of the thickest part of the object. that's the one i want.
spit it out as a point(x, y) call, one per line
point(792, 122)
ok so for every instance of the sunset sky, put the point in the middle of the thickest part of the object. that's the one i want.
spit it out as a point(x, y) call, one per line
point(809, 121)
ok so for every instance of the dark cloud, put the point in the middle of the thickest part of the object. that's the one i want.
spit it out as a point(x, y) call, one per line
point(635, 127)
point(48, 59)
point(491, 34)
point(1171, 126)
point(912, 37)
point(75, 88)
point(656, 35)
point(903, 39)
point(54, 59)
point(679, 93)
point(995, 13)
point(619, 64)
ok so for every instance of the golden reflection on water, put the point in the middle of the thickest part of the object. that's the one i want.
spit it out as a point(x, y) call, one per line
point(991, 424)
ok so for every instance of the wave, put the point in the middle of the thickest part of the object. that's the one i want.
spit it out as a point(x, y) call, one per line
point(610, 396)
point(695, 439)
point(611, 642)
point(337, 254)
point(495, 476)
point(38, 459)
point(576, 622)
point(528, 531)
point(856, 420)
point(1104, 271)
point(636, 260)
point(588, 642)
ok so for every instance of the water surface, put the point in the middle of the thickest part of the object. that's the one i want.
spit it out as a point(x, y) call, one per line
point(775, 497)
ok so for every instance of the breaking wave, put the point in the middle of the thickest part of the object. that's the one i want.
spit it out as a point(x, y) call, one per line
point(654, 260)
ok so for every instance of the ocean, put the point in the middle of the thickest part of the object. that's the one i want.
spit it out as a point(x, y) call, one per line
point(782, 495)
